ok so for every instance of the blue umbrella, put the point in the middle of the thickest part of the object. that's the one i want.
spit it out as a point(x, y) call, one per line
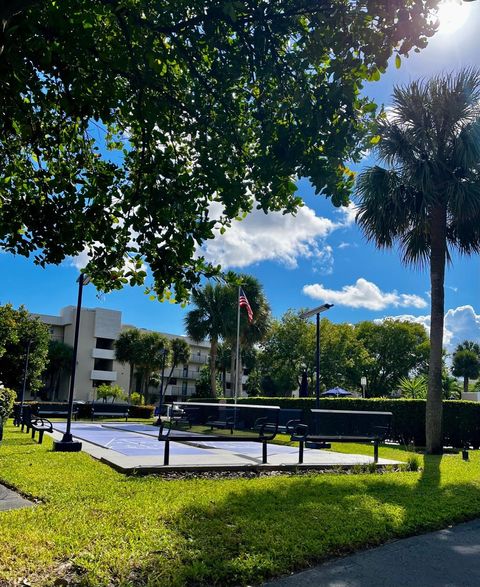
point(336, 392)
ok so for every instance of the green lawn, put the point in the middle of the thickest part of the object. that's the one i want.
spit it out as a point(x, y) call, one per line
point(101, 528)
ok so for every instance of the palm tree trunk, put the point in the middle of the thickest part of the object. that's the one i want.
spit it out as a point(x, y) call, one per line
point(233, 371)
point(434, 407)
point(213, 365)
point(465, 384)
point(130, 382)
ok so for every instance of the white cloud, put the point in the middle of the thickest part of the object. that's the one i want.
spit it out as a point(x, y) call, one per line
point(273, 237)
point(364, 294)
point(460, 324)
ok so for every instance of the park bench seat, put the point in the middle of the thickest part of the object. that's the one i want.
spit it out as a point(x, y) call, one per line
point(55, 411)
point(29, 420)
point(343, 426)
point(232, 417)
point(105, 410)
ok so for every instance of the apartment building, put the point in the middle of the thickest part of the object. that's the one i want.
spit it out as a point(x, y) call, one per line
point(96, 363)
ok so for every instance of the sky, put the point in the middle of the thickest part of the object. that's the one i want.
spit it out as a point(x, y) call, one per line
point(315, 257)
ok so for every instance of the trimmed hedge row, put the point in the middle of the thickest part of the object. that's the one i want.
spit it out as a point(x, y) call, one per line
point(85, 410)
point(461, 419)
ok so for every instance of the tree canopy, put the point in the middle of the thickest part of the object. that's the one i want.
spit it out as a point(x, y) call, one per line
point(21, 333)
point(122, 121)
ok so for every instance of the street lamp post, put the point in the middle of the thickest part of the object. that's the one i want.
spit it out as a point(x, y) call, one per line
point(67, 444)
point(363, 383)
point(316, 312)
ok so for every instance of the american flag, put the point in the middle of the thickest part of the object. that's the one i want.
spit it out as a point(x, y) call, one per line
point(243, 303)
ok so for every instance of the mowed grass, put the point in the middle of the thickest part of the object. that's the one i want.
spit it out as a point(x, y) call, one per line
point(101, 528)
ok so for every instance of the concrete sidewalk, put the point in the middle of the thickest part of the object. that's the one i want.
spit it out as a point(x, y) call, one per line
point(10, 500)
point(448, 558)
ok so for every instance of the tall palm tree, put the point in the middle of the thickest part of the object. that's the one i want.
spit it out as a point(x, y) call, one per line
point(153, 355)
point(206, 321)
point(179, 354)
point(127, 348)
point(250, 333)
point(427, 197)
point(59, 361)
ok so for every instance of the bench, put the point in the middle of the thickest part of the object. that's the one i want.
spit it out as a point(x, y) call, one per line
point(343, 426)
point(288, 419)
point(259, 424)
point(30, 421)
point(55, 410)
point(104, 410)
point(222, 420)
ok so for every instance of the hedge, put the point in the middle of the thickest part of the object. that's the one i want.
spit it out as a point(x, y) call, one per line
point(85, 410)
point(461, 419)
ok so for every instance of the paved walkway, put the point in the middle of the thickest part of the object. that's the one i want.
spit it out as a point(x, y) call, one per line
point(9, 500)
point(449, 558)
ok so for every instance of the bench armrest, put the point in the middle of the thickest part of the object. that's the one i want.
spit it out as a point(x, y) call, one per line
point(164, 429)
point(261, 424)
point(291, 426)
point(300, 432)
point(41, 423)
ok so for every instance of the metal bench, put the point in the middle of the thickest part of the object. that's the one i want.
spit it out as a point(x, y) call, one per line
point(288, 419)
point(343, 426)
point(104, 410)
point(29, 420)
point(258, 424)
point(55, 410)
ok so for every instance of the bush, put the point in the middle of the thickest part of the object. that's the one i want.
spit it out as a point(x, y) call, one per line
point(105, 391)
point(141, 411)
point(461, 419)
point(7, 397)
point(136, 399)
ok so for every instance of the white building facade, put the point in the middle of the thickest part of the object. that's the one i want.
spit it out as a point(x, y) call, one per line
point(96, 363)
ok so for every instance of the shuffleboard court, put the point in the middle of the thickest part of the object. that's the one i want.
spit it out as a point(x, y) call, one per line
point(250, 449)
point(126, 442)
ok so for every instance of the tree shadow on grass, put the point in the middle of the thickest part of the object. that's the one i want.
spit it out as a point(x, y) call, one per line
point(270, 526)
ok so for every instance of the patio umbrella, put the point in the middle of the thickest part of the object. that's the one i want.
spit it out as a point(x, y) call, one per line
point(338, 391)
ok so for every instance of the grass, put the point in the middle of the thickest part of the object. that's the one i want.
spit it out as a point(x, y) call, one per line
point(99, 528)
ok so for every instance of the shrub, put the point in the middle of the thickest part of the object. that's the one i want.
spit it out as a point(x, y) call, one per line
point(141, 411)
point(136, 399)
point(461, 419)
point(7, 397)
point(105, 391)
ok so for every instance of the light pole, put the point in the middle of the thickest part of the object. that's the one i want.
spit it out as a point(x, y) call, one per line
point(363, 383)
point(308, 314)
point(67, 444)
point(25, 372)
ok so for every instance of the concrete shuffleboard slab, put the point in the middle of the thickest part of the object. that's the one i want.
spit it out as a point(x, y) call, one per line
point(134, 448)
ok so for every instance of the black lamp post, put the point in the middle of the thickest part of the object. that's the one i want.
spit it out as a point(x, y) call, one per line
point(160, 399)
point(308, 314)
point(67, 444)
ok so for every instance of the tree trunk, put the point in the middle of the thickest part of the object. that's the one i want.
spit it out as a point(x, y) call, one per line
point(213, 365)
point(434, 407)
point(465, 384)
point(130, 382)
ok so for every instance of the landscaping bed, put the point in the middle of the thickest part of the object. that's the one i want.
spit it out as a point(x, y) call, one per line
point(97, 527)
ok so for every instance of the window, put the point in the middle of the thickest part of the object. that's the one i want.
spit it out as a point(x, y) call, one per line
point(105, 343)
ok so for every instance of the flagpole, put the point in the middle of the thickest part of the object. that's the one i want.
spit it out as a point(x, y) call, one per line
point(237, 352)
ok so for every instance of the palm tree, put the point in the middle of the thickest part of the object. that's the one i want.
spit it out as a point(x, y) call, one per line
point(179, 354)
point(466, 362)
point(206, 321)
point(59, 361)
point(427, 197)
point(250, 333)
point(153, 352)
point(127, 348)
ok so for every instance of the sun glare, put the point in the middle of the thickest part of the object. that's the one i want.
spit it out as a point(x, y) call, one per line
point(452, 15)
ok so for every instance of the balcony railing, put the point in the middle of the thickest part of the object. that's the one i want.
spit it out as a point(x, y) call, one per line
point(97, 375)
point(103, 354)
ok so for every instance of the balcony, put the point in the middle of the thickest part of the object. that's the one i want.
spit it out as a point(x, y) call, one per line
point(97, 375)
point(103, 354)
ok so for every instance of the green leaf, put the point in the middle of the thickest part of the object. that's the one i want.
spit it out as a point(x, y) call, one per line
point(398, 61)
